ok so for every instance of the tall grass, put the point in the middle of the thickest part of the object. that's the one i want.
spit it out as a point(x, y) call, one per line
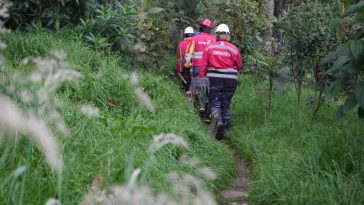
point(111, 145)
point(322, 163)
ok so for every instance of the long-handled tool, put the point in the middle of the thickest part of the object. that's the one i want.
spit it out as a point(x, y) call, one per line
point(182, 78)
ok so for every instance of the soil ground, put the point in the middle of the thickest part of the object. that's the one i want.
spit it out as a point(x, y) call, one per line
point(237, 192)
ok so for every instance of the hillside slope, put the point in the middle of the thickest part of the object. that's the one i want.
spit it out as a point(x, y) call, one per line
point(113, 144)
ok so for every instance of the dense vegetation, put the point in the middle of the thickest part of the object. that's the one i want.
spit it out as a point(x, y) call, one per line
point(297, 116)
point(319, 163)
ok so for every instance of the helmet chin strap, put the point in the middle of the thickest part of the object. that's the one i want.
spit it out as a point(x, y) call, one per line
point(223, 37)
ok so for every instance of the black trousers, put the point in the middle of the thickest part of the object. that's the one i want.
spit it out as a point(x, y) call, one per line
point(187, 76)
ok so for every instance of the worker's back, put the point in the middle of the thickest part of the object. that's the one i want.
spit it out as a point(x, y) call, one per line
point(221, 62)
point(222, 55)
point(183, 47)
point(198, 46)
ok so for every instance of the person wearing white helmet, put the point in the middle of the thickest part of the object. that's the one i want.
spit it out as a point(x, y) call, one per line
point(221, 62)
point(183, 66)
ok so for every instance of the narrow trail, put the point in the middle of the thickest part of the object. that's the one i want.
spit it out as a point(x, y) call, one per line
point(237, 192)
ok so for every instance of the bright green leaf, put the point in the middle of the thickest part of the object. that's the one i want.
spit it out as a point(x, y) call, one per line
point(349, 103)
point(342, 60)
point(334, 89)
point(135, 128)
point(259, 39)
point(354, 8)
point(329, 58)
point(348, 68)
point(356, 49)
point(62, 2)
point(334, 24)
point(155, 10)
point(339, 113)
point(359, 93)
point(343, 50)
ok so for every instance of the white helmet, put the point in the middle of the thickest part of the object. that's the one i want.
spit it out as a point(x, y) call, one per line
point(222, 28)
point(189, 30)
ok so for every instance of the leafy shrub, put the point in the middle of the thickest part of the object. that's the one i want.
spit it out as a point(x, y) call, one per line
point(47, 13)
point(347, 63)
point(142, 32)
point(247, 20)
point(306, 38)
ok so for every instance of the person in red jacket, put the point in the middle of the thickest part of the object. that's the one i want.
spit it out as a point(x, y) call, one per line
point(183, 66)
point(221, 62)
point(198, 46)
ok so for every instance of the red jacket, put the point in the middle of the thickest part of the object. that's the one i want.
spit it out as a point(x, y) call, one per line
point(182, 50)
point(221, 62)
point(198, 46)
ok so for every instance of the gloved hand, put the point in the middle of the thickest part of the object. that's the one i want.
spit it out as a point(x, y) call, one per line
point(205, 84)
point(188, 57)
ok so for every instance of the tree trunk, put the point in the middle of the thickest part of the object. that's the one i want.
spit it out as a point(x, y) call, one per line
point(270, 91)
point(270, 4)
point(278, 7)
point(319, 90)
point(298, 86)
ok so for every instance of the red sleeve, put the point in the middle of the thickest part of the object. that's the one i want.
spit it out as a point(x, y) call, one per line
point(242, 63)
point(239, 61)
point(179, 59)
point(203, 68)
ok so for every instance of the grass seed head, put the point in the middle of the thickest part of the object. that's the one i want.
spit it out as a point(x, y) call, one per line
point(161, 140)
point(142, 96)
point(90, 111)
point(207, 172)
point(13, 120)
point(144, 99)
point(52, 201)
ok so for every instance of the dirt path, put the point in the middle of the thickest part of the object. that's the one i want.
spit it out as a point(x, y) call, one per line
point(237, 192)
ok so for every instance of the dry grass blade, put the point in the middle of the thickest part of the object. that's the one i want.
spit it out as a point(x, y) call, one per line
point(13, 120)
point(143, 97)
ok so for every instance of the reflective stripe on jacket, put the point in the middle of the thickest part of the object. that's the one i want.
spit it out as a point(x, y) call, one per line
point(221, 61)
point(198, 46)
point(182, 54)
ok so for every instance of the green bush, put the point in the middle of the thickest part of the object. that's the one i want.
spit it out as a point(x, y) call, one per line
point(50, 14)
point(247, 20)
point(347, 62)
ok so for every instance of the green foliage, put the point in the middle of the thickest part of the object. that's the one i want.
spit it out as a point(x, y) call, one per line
point(318, 163)
point(347, 63)
point(247, 20)
point(307, 35)
point(141, 32)
point(110, 26)
point(308, 32)
point(47, 13)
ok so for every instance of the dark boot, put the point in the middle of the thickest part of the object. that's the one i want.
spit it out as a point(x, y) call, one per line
point(201, 111)
point(207, 118)
point(220, 131)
